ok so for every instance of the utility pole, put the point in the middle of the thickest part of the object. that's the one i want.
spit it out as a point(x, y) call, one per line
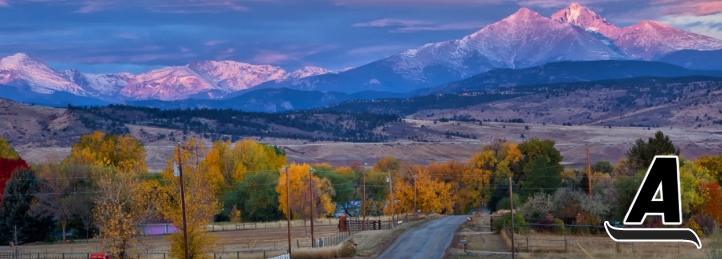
point(183, 202)
point(391, 197)
point(288, 208)
point(363, 198)
point(589, 174)
point(310, 188)
point(415, 176)
point(511, 205)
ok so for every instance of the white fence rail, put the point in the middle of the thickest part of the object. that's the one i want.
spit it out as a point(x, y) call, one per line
point(286, 256)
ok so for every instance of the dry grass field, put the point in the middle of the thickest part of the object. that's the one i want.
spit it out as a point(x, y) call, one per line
point(603, 143)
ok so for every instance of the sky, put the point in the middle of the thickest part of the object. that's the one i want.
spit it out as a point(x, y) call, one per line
point(110, 36)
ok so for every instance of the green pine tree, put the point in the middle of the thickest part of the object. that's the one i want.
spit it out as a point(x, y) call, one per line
point(18, 197)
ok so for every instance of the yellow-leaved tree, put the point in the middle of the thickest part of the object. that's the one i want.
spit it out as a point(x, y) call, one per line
point(201, 203)
point(432, 194)
point(6, 150)
point(300, 194)
point(124, 153)
point(123, 203)
point(228, 163)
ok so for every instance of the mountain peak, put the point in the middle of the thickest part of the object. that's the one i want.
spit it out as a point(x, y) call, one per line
point(525, 12)
point(587, 19)
point(18, 58)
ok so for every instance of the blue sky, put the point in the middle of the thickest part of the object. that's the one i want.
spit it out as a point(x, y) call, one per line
point(103, 36)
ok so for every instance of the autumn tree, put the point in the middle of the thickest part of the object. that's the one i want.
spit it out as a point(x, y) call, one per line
point(21, 191)
point(431, 194)
point(387, 164)
point(490, 169)
point(300, 200)
point(541, 168)
point(713, 164)
point(6, 150)
point(123, 153)
point(200, 201)
point(64, 187)
point(712, 195)
point(228, 163)
point(123, 203)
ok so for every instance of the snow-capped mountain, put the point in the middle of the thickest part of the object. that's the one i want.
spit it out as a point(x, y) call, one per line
point(169, 83)
point(306, 71)
point(230, 76)
point(105, 86)
point(646, 40)
point(23, 71)
point(521, 40)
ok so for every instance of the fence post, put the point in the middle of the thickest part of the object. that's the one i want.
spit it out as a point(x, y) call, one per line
point(527, 244)
point(617, 247)
point(264, 254)
point(632, 247)
point(297, 244)
point(238, 255)
point(565, 245)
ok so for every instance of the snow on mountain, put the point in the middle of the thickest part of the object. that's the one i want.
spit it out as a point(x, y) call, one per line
point(652, 39)
point(523, 39)
point(105, 86)
point(230, 76)
point(578, 15)
point(306, 71)
point(646, 40)
point(169, 83)
point(22, 70)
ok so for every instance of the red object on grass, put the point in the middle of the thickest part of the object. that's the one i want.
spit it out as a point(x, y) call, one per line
point(100, 256)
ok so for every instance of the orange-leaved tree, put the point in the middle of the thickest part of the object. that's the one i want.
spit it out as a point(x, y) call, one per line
point(300, 193)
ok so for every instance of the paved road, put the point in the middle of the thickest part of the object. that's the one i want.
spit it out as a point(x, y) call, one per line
point(428, 241)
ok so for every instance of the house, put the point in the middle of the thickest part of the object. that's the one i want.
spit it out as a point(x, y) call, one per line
point(154, 227)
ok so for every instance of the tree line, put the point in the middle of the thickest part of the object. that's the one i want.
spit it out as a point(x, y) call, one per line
point(104, 188)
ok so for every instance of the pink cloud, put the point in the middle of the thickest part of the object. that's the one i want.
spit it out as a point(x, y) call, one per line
point(697, 8)
point(418, 25)
point(443, 27)
point(165, 6)
point(214, 42)
point(390, 22)
point(271, 57)
point(4, 3)
point(377, 49)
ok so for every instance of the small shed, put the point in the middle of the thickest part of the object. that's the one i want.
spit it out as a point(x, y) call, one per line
point(154, 227)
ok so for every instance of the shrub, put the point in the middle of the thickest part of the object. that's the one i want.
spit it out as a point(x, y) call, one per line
point(347, 249)
point(537, 206)
point(559, 225)
point(706, 223)
point(545, 225)
point(505, 220)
